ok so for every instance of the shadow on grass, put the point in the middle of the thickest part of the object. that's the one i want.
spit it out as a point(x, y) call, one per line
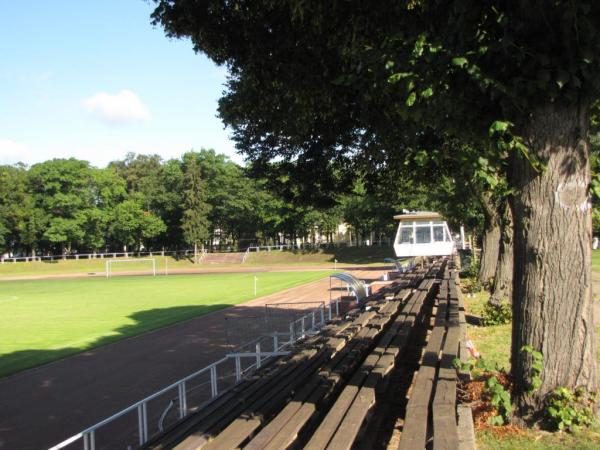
point(144, 321)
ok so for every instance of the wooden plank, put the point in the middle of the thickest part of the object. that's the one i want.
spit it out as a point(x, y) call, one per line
point(251, 419)
point(289, 433)
point(445, 430)
point(354, 419)
point(414, 430)
point(466, 430)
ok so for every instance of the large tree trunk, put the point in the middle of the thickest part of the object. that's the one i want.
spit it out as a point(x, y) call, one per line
point(491, 241)
point(552, 290)
point(503, 278)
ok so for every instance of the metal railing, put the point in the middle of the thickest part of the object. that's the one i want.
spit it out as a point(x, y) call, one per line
point(220, 376)
point(78, 256)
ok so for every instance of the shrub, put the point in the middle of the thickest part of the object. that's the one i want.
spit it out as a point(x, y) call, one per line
point(497, 313)
point(569, 410)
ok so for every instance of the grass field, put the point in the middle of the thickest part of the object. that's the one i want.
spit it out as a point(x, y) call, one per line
point(346, 256)
point(44, 320)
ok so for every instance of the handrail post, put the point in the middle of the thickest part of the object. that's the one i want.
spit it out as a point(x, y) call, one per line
point(143, 423)
point(182, 400)
point(313, 321)
point(322, 310)
point(292, 332)
point(86, 441)
point(302, 327)
point(238, 369)
point(213, 381)
point(258, 355)
point(337, 307)
point(275, 342)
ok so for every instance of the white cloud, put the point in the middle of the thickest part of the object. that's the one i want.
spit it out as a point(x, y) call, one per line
point(121, 108)
point(12, 152)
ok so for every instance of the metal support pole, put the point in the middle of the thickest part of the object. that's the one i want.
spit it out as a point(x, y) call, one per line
point(337, 307)
point(275, 342)
point(322, 309)
point(292, 332)
point(182, 400)
point(213, 381)
point(313, 320)
point(258, 355)
point(142, 423)
point(302, 326)
point(329, 309)
point(238, 369)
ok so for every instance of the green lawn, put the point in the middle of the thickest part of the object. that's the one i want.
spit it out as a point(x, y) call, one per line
point(596, 260)
point(44, 320)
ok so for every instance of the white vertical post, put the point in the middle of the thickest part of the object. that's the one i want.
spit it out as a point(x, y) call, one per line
point(302, 326)
point(329, 309)
point(258, 355)
point(292, 332)
point(322, 309)
point(142, 423)
point(182, 400)
point(213, 381)
point(238, 369)
point(462, 236)
point(337, 307)
point(313, 320)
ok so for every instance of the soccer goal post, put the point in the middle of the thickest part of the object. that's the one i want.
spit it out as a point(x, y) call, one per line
point(110, 262)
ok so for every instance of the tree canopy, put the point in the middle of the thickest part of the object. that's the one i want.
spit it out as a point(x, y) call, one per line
point(328, 88)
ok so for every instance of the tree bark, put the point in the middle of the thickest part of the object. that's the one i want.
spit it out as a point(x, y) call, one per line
point(503, 278)
point(491, 241)
point(552, 290)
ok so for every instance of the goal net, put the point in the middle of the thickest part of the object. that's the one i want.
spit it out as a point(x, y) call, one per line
point(136, 264)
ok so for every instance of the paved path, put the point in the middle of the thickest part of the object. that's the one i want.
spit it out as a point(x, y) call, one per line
point(43, 406)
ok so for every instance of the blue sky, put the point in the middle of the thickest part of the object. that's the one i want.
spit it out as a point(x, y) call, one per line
point(94, 80)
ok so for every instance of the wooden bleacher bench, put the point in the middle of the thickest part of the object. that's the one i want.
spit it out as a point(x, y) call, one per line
point(324, 394)
point(431, 412)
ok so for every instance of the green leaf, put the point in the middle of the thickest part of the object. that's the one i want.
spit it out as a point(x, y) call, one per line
point(427, 93)
point(499, 126)
point(412, 98)
point(459, 61)
point(394, 78)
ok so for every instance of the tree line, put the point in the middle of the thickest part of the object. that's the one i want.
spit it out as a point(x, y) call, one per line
point(202, 198)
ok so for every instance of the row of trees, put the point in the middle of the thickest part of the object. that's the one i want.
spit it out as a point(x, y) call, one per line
point(66, 205)
point(491, 97)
